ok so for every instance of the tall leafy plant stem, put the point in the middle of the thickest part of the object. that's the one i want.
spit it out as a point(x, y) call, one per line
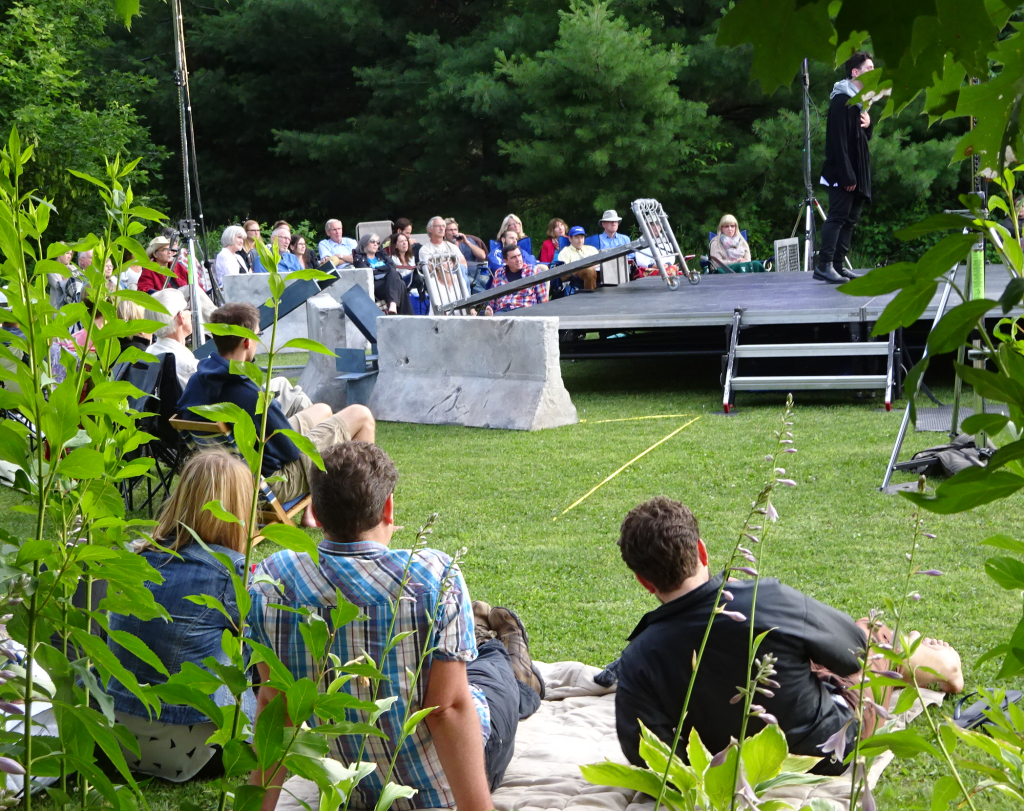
point(421, 538)
point(757, 508)
point(855, 782)
point(783, 437)
point(222, 798)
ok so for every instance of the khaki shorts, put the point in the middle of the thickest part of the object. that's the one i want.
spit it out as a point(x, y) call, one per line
point(331, 431)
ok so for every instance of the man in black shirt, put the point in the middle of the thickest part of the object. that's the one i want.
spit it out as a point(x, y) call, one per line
point(846, 172)
point(818, 648)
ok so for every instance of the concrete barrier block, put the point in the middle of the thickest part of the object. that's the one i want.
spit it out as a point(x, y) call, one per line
point(481, 372)
point(255, 289)
point(326, 323)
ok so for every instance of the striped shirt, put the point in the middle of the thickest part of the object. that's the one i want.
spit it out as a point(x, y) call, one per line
point(369, 575)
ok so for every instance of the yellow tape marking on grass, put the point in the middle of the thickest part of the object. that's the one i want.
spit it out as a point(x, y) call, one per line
point(631, 419)
point(631, 461)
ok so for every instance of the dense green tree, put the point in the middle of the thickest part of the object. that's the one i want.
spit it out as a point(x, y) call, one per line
point(76, 115)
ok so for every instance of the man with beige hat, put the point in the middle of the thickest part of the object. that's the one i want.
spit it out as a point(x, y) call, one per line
point(162, 251)
point(610, 237)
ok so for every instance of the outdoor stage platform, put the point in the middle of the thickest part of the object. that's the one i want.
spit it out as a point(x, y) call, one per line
point(645, 317)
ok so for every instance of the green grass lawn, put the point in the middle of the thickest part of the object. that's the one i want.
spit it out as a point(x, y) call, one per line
point(838, 539)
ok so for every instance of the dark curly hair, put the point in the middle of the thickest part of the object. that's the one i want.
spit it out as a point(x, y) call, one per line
point(658, 541)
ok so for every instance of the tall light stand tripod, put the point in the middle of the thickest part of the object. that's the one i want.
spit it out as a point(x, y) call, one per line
point(810, 205)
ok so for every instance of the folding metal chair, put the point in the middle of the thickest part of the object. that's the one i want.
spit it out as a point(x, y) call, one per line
point(445, 283)
point(201, 434)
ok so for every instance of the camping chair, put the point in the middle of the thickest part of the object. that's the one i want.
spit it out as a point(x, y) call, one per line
point(161, 390)
point(201, 434)
point(445, 283)
point(382, 228)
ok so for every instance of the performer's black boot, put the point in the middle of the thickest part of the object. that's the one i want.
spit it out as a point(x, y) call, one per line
point(826, 273)
point(849, 274)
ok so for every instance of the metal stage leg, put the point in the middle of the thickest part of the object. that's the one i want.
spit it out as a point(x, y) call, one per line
point(906, 414)
point(730, 366)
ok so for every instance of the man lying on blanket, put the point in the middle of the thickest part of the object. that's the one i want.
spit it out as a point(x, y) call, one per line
point(818, 649)
point(481, 680)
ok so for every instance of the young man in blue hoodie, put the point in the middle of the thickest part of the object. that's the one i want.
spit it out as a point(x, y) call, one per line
point(214, 382)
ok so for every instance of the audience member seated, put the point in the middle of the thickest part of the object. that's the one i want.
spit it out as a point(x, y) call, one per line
point(229, 261)
point(214, 383)
point(128, 311)
point(306, 256)
point(170, 338)
point(437, 246)
point(729, 251)
point(83, 260)
point(472, 248)
point(495, 259)
point(252, 235)
point(336, 248)
point(513, 270)
point(404, 226)
point(56, 281)
point(404, 259)
point(129, 278)
point(553, 244)
point(478, 676)
point(817, 649)
point(387, 282)
point(610, 236)
point(287, 261)
point(511, 222)
point(161, 251)
point(575, 250)
point(174, 747)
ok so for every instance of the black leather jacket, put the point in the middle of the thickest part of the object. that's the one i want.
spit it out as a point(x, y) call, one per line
point(655, 669)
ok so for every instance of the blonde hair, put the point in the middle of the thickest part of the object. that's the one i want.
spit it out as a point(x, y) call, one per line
point(211, 475)
point(129, 310)
point(513, 223)
point(249, 243)
point(727, 219)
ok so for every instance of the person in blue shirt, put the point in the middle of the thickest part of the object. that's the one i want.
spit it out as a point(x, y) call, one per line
point(174, 747)
point(610, 236)
point(496, 260)
point(337, 248)
point(288, 261)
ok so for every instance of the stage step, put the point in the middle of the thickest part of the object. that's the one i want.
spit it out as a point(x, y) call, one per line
point(809, 382)
point(790, 382)
point(831, 350)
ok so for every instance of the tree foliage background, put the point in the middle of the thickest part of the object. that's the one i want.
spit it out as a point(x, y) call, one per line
point(375, 109)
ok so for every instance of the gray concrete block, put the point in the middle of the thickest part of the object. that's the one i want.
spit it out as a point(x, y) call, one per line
point(475, 371)
point(326, 323)
point(255, 289)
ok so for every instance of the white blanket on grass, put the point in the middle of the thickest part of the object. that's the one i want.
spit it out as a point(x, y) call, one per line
point(574, 726)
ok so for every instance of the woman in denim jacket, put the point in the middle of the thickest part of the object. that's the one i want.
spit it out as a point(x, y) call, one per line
point(174, 747)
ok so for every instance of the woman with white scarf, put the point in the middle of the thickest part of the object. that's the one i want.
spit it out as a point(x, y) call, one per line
point(730, 252)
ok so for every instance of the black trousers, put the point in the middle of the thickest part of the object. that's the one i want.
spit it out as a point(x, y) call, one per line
point(389, 287)
point(508, 701)
point(844, 210)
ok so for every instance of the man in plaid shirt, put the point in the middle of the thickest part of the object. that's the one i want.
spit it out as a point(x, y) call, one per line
point(479, 676)
point(513, 270)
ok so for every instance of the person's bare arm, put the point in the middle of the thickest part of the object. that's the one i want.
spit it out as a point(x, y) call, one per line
point(455, 729)
point(478, 253)
point(259, 776)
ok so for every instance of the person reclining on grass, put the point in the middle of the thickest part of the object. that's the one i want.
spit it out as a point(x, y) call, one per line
point(480, 679)
point(818, 649)
point(213, 382)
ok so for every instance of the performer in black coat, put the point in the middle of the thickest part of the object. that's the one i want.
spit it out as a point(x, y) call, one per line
point(847, 171)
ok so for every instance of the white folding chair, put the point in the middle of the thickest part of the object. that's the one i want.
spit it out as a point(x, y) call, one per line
point(382, 228)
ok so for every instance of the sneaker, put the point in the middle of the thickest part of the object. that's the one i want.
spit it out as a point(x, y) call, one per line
point(511, 633)
point(481, 622)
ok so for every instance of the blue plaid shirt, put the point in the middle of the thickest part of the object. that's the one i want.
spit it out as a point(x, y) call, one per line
point(369, 575)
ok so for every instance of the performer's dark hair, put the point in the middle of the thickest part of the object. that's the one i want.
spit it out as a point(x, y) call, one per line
point(855, 61)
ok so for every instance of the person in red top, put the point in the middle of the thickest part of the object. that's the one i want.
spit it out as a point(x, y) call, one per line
point(549, 250)
point(162, 251)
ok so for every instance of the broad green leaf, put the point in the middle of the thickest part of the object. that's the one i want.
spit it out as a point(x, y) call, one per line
point(906, 308)
point(1005, 542)
point(631, 777)
point(936, 222)
point(764, 753)
point(334, 705)
point(218, 511)
point(137, 647)
point(782, 35)
point(952, 331)
point(210, 602)
point(880, 281)
point(413, 721)
point(363, 669)
point(292, 538)
point(231, 329)
point(789, 779)
point(304, 444)
point(720, 781)
point(991, 385)
point(248, 369)
point(316, 635)
point(307, 345)
point(82, 463)
point(248, 798)
point(1012, 294)
point(984, 423)
point(301, 700)
point(944, 791)
point(269, 733)
point(697, 753)
point(344, 613)
point(655, 751)
point(1008, 453)
point(392, 792)
point(968, 489)
point(799, 764)
point(1007, 572)
point(905, 743)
